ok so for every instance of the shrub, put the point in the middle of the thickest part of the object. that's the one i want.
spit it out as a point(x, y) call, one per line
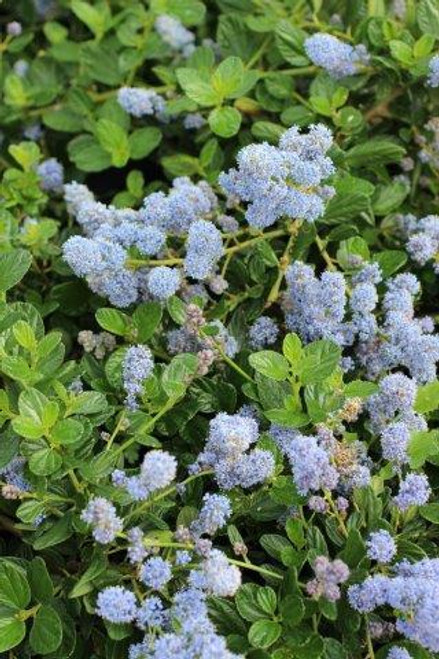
point(218, 265)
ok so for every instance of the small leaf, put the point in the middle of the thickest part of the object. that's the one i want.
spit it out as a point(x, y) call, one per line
point(46, 633)
point(225, 121)
point(271, 364)
point(12, 631)
point(14, 588)
point(264, 633)
point(13, 267)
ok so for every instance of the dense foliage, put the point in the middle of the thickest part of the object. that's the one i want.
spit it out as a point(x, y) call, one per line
point(218, 277)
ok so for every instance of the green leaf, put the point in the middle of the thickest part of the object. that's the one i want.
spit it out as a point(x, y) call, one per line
point(225, 121)
point(44, 462)
point(14, 588)
point(143, 141)
point(430, 512)
point(85, 585)
point(422, 445)
point(46, 633)
point(113, 320)
point(375, 151)
point(292, 349)
point(12, 631)
point(57, 533)
point(402, 52)
point(88, 402)
point(146, 319)
point(390, 261)
point(427, 16)
point(87, 154)
point(289, 42)
point(247, 603)
point(13, 267)
point(264, 633)
point(114, 139)
point(40, 581)
point(198, 87)
point(321, 358)
point(27, 154)
point(228, 77)
point(97, 19)
point(360, 389)
point(292, 609)
point(267, 600)
point(67, 431)
point(270, 363)
point(427, 397)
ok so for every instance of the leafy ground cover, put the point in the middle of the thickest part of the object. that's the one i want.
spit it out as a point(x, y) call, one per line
point(218, 350)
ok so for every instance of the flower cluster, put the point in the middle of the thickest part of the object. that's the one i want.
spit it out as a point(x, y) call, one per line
point(329, 574)
point(173, 33)
point(412, 592)
point(101, 515)
point(284, 180)
point(227, 452)
point(141, 102)
point(157, 471)
point(339, 59)
point(138, 364)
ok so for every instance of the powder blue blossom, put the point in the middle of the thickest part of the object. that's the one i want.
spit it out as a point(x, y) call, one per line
point(21, 68)
point(141, 102)
point(381, 546)
point(396, 396)
point(137, 366)
point(194, 121)
point(413, 491)
point(117, 605)
point(163, 282)
point(213, 515)
point(413, 595)
point(433, 72)
point(103, 266)
point(175, 34)
point(263, 332)
point(185, 203)
point(397, 652)
point(136, 551)
point(339, 59)
point(156, 573)
point(51, 173)
point(285, 180)
point(151, 613)
point(315, 308)
point(14, 29)
point(157, 471)
point(101, 515)
point(204, 248)
point(216, 575)
point(394, 442)
point(230, 437)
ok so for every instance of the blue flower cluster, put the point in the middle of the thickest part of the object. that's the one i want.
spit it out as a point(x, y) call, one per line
point(141, 102)
point(317, 308)
point(381, 547)
point(157, 471)
point(412, 592)
point(138, 364)
point(51, 173)
point(433, 71)
point(101, 515)
point(422, 239)
point(284, 180)
point(263, 332)
point(173, 33)
point(113, 235)
point(227, 452)
point(339, 59)
point(216, 576)
point(213, 515)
